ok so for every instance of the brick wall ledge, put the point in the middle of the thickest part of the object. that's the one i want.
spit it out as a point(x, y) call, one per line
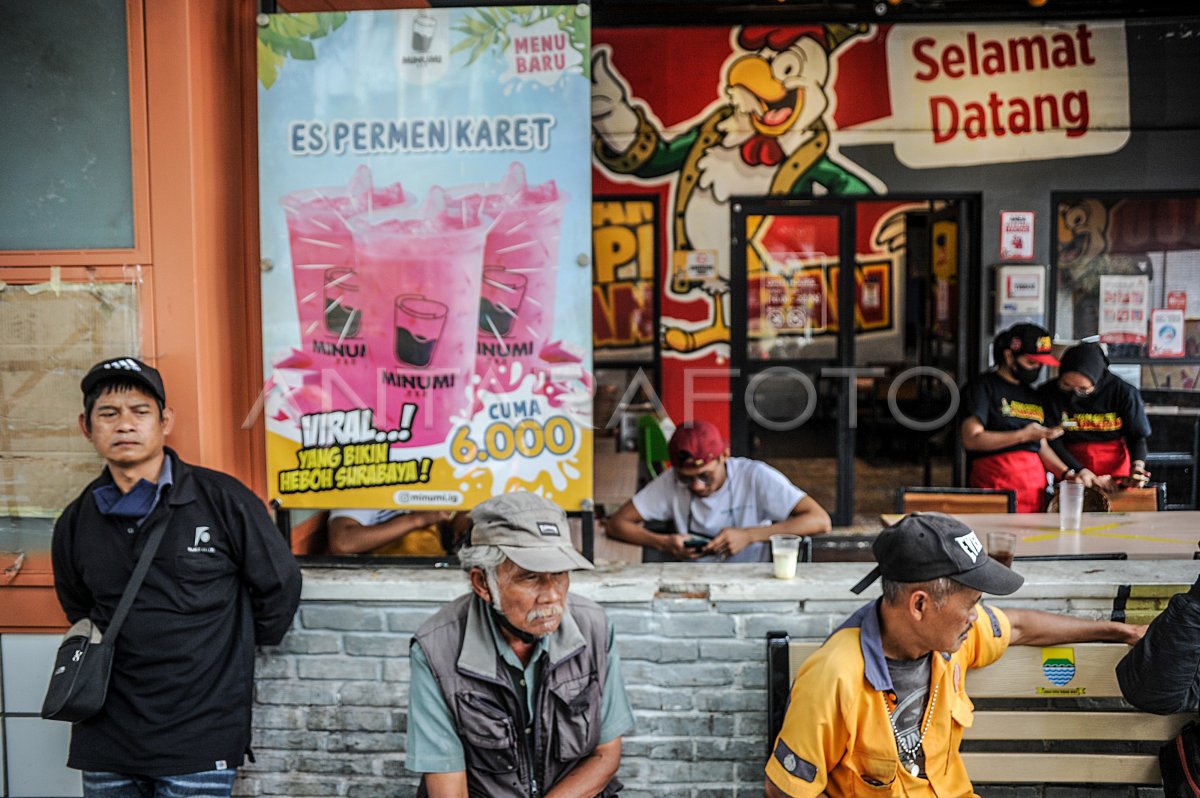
point(622, 584)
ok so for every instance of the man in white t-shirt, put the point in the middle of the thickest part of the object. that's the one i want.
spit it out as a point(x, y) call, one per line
point(724, 508)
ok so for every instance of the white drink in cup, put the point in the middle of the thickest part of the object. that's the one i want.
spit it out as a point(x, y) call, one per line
point(1070, 506)
point(785, 550)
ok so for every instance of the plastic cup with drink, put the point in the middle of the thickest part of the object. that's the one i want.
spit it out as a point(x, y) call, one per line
point(1070, 506)
point(516, 307)
point(785, 551)
point(1001, 547)
point(419, 275)
point(328, 301)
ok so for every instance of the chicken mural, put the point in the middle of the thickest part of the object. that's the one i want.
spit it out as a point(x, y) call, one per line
point(767, 133)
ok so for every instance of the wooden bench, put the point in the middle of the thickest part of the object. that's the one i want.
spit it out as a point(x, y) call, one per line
point(1105, 736)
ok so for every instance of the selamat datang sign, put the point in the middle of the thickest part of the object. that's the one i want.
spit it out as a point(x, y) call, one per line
point(1004, 93)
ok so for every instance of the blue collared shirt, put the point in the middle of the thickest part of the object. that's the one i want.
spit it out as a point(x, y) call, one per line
point(141, 499)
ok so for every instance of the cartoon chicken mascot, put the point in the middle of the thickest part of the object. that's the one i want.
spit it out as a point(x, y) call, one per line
point(768, 136)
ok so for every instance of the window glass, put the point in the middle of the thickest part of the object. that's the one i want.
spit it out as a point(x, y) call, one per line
point(1128, 271)
point(65, 154)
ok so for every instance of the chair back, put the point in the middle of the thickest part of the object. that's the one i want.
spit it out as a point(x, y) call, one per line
point(1094, 501)
point(955, 500)
point(652, 445)
point(1149, 498)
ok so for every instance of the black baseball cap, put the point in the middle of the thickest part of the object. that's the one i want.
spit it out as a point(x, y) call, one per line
point(1027, 339)
point(125, 369)
point(925, 546)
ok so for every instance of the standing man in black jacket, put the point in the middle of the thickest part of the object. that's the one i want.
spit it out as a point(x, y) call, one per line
point(177, 717)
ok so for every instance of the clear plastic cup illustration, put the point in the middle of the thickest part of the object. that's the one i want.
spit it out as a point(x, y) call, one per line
point(343, 309)
point(424, 26)
point(785, 551)
point(323, 261)
point(419, 274)
point(1001, 546)
point(1070, 506)
point(523, 241)
point(500, 301)
point(419, 323)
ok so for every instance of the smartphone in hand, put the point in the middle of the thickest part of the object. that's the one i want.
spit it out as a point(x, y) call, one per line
point(696, 543)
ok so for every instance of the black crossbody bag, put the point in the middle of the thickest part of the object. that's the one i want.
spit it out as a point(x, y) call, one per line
point(1179, 759)
point(79, 682)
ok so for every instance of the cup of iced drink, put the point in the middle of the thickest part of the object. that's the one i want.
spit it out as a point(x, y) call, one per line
point(419, 274)
point(516, 307)
point(328, 295)
point(785, 551)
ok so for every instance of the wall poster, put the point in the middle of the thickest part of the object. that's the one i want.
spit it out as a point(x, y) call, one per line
point(425, 199)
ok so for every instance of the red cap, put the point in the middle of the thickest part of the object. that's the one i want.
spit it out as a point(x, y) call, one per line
point(695, 443)
point(1027, 339)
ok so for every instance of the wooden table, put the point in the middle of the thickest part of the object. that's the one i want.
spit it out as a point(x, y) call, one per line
point(1142, 536)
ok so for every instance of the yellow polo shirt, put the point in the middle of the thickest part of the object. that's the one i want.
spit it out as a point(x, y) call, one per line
point(837, 737)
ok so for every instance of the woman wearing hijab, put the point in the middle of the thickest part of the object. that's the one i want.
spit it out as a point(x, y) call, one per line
point(1103, 416)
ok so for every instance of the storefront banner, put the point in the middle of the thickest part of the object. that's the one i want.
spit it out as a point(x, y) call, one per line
point(425, 201)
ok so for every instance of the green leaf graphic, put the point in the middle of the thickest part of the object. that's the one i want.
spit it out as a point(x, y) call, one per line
point(290, 36)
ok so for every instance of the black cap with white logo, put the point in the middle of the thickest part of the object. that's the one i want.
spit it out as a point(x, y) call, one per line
point(925, 546)
point(125, 369)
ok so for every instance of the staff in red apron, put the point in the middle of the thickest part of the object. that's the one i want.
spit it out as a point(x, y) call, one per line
point(1003, 427)
point(1103, 417)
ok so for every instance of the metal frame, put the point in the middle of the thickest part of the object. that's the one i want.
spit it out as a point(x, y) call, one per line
point(969, 324)
point(779, 684)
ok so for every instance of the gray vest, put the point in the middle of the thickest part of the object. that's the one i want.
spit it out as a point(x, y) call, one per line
point(502, 758)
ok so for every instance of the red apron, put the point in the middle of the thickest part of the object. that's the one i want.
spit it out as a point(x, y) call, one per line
point(1021, 471)
point(1102, 457)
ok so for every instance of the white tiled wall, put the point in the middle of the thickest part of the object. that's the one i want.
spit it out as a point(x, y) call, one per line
point(35, 749)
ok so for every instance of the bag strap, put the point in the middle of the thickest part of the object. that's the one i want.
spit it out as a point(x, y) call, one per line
point(135, 582)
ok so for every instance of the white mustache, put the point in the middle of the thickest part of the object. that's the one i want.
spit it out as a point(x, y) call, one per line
point(554, 611)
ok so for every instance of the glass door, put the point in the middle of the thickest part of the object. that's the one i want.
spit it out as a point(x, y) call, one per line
point(791, 402)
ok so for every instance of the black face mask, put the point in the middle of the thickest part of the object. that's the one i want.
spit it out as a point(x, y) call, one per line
point(1026, 376)
point(504, 623)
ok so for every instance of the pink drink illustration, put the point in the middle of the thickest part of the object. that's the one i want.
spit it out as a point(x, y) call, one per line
point(323, 264)
point(420, 274)
point(500, 301)
point(522, 243)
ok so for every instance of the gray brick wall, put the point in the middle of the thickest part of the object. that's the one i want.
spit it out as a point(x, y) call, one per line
point(332, 698)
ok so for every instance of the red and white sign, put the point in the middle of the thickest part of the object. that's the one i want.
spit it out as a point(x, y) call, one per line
point(1016, 235)
point(1007, 93)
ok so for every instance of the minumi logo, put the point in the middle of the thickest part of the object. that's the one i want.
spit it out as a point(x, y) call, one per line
point(202, 536)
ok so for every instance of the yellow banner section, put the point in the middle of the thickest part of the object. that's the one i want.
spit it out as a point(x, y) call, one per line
point(477, 468)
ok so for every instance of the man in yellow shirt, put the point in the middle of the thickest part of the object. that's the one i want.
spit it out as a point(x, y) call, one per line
point(880, 708)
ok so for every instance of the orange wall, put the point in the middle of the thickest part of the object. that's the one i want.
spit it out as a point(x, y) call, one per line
point(200, 107)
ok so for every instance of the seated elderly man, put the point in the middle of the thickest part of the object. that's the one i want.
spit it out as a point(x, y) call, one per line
point(516, 687)
point(880, 708)
point(723, 508)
